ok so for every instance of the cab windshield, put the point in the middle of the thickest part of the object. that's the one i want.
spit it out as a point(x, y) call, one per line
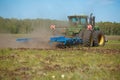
point(83, 21)
point(80, 20)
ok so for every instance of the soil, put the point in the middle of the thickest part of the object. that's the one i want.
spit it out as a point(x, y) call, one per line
point(10, 41)
point(36, 41)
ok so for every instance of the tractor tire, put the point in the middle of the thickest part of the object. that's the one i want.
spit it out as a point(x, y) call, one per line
point(98, 38)
point(81, 33)
point(87, 38)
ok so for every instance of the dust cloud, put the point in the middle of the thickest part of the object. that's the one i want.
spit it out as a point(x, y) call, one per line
point(39, 38)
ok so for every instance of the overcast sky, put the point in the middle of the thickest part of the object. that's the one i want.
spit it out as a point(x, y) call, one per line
point(104, 10)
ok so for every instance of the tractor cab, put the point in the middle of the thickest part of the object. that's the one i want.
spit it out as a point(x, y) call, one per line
point(79, 22)
point(82, 20)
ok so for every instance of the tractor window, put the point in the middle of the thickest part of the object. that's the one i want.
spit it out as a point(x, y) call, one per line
point(74, 20)
point(83, 21)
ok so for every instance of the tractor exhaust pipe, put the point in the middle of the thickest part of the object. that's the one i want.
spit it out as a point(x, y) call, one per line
point(92, 20)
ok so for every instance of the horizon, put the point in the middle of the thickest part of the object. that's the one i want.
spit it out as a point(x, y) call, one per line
point(104, 10)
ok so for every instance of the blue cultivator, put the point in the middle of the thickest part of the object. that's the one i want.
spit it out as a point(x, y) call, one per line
point(66, 41)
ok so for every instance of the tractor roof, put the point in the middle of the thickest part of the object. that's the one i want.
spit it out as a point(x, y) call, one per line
point(83, 16)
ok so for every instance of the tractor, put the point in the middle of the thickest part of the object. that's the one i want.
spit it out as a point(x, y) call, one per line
point(81, 30)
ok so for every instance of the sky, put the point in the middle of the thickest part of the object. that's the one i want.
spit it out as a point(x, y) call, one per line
point(104, 10)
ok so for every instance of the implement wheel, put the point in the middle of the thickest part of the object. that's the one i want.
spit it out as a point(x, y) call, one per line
point(98, 38)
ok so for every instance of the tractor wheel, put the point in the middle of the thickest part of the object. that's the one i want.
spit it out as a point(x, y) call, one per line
point(80, 35)
point(87, 38)
point(98, 38)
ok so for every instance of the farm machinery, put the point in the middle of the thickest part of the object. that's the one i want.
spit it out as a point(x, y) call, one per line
point(82, 31)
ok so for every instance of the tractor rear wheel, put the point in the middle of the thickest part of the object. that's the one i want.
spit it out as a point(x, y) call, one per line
point(87, 38)
point(98, 38)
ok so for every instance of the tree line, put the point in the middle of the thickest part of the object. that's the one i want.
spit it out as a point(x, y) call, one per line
point(17, 26)
point(109, 28)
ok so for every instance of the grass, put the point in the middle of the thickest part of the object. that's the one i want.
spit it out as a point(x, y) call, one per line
point(97, 63)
